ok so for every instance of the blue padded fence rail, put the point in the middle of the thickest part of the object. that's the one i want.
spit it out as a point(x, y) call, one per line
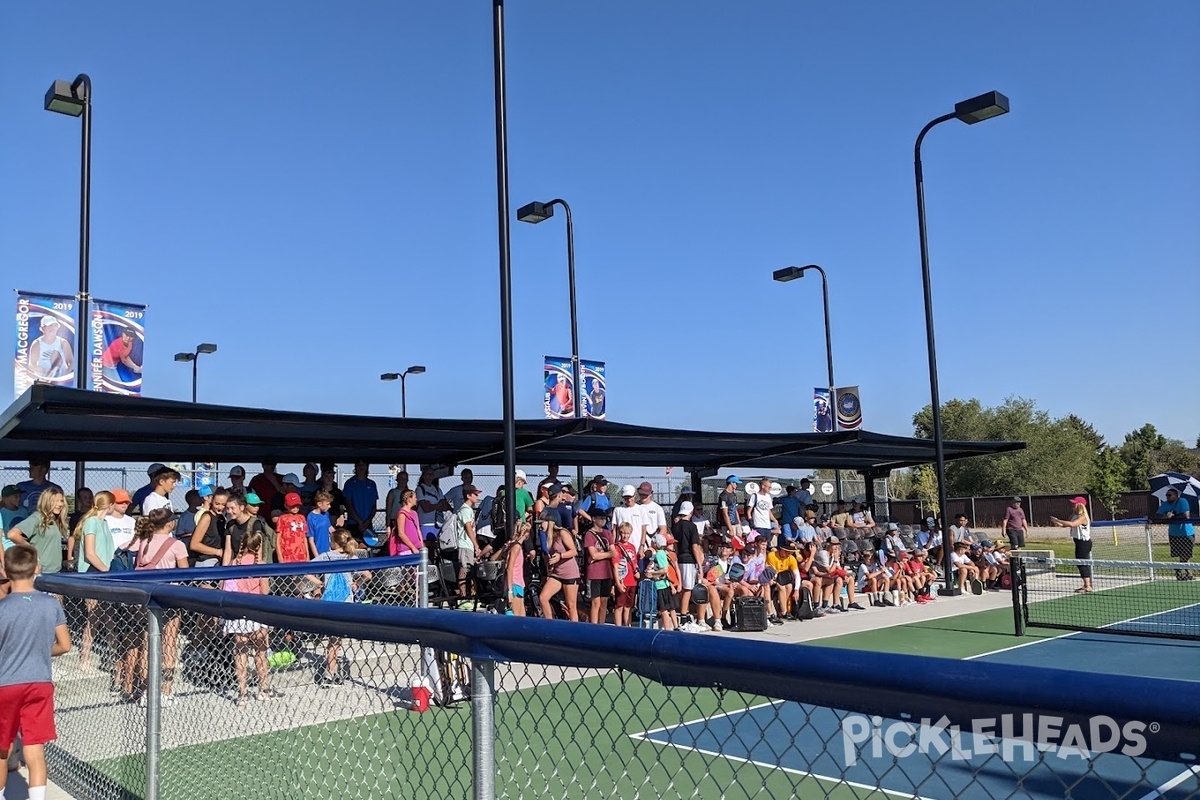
point(249, 571)
point(904, 687)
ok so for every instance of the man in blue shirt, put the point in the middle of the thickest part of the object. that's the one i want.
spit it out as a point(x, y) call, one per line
point(790, 510)
point(362, 497)
point(31, 490)
point(1180, 534)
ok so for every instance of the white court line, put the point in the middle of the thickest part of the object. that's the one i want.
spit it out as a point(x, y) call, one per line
point(1153, 794)
point(769, 766)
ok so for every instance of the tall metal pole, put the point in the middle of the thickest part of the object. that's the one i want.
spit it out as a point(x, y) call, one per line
point(195, 364)
point(938, 447)
point(576, 376)
point(506, 343)
point(83, 85)
point(837, 473)
point(403, 395)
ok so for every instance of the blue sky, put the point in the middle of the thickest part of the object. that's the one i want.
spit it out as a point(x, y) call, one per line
point(312, 187)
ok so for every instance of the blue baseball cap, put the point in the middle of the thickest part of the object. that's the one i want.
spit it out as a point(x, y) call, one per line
point(205, 491)
point(733, 479)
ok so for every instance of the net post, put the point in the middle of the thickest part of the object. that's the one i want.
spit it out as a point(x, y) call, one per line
point(1149, 546)
point(423, 580)
point(483, 727)
point(153, 691)
point(1017, 575)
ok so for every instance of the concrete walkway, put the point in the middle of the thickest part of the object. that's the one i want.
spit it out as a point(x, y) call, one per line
point(17, 789)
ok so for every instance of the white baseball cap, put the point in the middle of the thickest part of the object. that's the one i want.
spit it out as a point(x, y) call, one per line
point(520, 476)
point(686, 508)
point(628, 491)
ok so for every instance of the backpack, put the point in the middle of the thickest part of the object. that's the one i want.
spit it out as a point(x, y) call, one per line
point(804, 608)
point(123, 561)
point(448, 533)
point(337, 588)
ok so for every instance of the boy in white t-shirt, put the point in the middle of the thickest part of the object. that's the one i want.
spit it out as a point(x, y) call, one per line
point(162, 482)
point(120, 524)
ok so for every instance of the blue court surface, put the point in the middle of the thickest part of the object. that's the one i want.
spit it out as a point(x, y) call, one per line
point(820, 742)
point(808, 740)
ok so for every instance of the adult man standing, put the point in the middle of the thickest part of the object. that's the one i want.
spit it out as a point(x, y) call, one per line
point(455, 494)
point(790, 508)
point(728, 517)
point(1015, 525)
point(650, 515)
point(1181, 536)
point(266, 485)
point(805, 494)
point(141, 494)
point(468, 544)
point(362, 500)
point(688, 553)
point(430, 503)
point(329, 484)
point(523, 500)
point(31, 490)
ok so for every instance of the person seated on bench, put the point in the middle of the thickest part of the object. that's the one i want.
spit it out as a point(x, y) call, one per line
point(962, 562)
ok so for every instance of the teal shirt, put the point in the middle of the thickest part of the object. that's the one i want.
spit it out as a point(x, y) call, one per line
point(661, 562)
point(103, 544)
point(49, 542)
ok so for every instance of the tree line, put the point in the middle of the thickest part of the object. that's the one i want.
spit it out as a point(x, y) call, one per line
point(1062, 455)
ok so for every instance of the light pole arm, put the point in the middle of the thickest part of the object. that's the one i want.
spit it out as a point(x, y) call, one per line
point(575, 370)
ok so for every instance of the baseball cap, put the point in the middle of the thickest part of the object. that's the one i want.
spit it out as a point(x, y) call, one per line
point(1079, 501)
point(292, 478)
point(291, 499)
point(733, 479)
point(599, 479)
point(893, 526)
point(660, 540)
point(155, 468)
point(598, 512)
point(520, 476)
point(1016, 499)
point(555, 488)
point(686, 490)
point(686, 508)
point(628, 491)
point(469, 489)
point(252, 499)
point(237, 472)
point(205, 491)
point(9, 491)
point(645, 489)
point(832, 540)
point(121, 496)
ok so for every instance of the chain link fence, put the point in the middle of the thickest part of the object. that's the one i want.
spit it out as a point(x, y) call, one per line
point(301, 698)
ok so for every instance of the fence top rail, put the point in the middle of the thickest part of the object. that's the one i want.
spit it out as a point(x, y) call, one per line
point(248, 571)
point(897, 686)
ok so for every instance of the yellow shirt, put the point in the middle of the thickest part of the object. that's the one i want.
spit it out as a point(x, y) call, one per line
point(781, 563)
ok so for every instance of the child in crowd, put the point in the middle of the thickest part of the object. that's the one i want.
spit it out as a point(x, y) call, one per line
point(292, 529)
point(247, 634)
point(33, 629)
point(338, 587)
point(656, 569)
point(95, 554)
point(625, 568)
point(319, 523)
point(157, 548)
point(513, 556)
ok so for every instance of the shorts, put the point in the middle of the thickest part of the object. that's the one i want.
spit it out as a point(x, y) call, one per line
point(627, 598)
point(666, 599)
point(565, 581)
point(687, 576)
point(518, 592)
point(784, 578)
point(466, 556)
point(243, 626)
point(28, 709)
point(1181, 547)
point(600, 587)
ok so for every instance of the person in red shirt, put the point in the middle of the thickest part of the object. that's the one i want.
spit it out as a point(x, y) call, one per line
point(266, 485)
point(118, 353)
point(292, 530)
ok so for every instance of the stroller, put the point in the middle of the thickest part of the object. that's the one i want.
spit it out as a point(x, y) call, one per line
point(489, 586)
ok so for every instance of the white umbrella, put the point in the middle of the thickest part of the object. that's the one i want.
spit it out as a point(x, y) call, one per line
point(1186, 485)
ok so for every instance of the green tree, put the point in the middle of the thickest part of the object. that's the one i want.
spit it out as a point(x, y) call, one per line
point(1146, 453)
point(1108, 479)
point(925, 487)
point(1057, 458)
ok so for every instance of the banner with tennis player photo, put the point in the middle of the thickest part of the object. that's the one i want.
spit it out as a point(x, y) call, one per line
point(45, 351)
point(849, 409)
point(117, 343)
point(822, 410)
point(558, 388)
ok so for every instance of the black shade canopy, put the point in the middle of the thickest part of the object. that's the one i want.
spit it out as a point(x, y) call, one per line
point(69, 424)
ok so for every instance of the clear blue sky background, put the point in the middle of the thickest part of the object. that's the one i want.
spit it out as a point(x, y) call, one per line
point(312, 187)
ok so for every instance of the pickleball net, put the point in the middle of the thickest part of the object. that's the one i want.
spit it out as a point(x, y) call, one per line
point(1128, 598)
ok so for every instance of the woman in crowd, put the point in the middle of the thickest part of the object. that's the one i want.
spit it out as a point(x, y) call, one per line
point(563, 573)
point(1081, 531)
point(96, 551)
point(406, 528)
point(247, 634)
point(157, 548)
point(513, 556)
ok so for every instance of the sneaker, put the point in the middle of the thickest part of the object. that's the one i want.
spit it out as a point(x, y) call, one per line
point(717, 626)
point(269, 694)
point(241, 700)
point(774, 620)
point(857, 607)
point(887, 601)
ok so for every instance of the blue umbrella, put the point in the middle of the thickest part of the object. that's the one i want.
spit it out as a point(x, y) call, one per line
point(1186, 485)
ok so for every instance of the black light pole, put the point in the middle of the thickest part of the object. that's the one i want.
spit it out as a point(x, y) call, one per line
point(540, 212)
point(75, 99)
point(977, 109)
point(415, 369)
point(790, 274)
point(506, 342)
point(194, 357)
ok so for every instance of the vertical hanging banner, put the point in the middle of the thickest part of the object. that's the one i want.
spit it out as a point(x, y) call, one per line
point(849, 409)
point(117, 344)
point(45, 352)
point(558, 388)
point(593, 393)
point(822, 410)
